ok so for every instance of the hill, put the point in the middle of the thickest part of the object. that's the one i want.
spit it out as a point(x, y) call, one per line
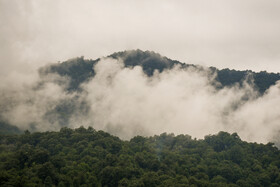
point(80, 70)
point(86, 157)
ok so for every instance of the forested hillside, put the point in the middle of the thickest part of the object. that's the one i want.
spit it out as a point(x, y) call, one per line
point(86, 157)
point(146, 93)
point(80, 69)
point(6, 128)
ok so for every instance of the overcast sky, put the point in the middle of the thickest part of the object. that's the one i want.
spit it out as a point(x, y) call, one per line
point(223, 33)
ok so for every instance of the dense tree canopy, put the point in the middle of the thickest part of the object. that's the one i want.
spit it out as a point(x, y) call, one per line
point(80, 70)
point(86, 157)
point(6, 128)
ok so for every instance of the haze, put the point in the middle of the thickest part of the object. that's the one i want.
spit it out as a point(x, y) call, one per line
point(222, 33)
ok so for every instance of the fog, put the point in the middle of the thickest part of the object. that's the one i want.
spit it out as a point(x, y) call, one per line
point(126, 102)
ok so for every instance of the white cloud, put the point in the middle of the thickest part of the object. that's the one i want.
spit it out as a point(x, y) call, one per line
point(126, 102)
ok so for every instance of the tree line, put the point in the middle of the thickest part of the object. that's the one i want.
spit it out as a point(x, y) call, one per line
point(86, 157)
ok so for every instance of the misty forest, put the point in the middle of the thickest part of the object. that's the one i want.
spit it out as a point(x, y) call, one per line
point(136, 118)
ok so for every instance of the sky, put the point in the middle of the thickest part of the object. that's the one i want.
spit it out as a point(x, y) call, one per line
point(233, 34)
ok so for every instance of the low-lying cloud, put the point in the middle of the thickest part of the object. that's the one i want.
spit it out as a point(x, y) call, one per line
point(126, 102)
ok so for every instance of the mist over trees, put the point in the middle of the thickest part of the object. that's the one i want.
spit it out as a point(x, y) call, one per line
point(198, 107)
point(80, 69)
point(127, 87)
point(86, 157)
point(133, 95)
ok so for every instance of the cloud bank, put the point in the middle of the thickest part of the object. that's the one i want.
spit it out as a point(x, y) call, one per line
point(126, 102)
point(226, 34)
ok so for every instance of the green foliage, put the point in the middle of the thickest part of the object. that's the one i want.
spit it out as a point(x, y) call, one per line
point(77, 69)
point(85, 157)
point(262, 80)
point(6, 128)
point(80, 70)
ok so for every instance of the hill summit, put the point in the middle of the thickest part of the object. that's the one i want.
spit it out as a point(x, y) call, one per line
point(80, 69)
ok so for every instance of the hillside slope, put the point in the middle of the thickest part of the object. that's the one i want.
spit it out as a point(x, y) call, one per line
point(80, 69)
point(85, 157)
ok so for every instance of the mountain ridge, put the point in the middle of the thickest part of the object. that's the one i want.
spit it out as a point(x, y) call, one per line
point(151, 61)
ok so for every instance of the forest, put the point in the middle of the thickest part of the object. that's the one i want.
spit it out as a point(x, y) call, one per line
point(86, 157)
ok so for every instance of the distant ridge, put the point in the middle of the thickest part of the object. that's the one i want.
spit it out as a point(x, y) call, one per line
point(80, 69)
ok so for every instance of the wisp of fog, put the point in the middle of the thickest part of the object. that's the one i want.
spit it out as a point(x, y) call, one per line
point(126, 102)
